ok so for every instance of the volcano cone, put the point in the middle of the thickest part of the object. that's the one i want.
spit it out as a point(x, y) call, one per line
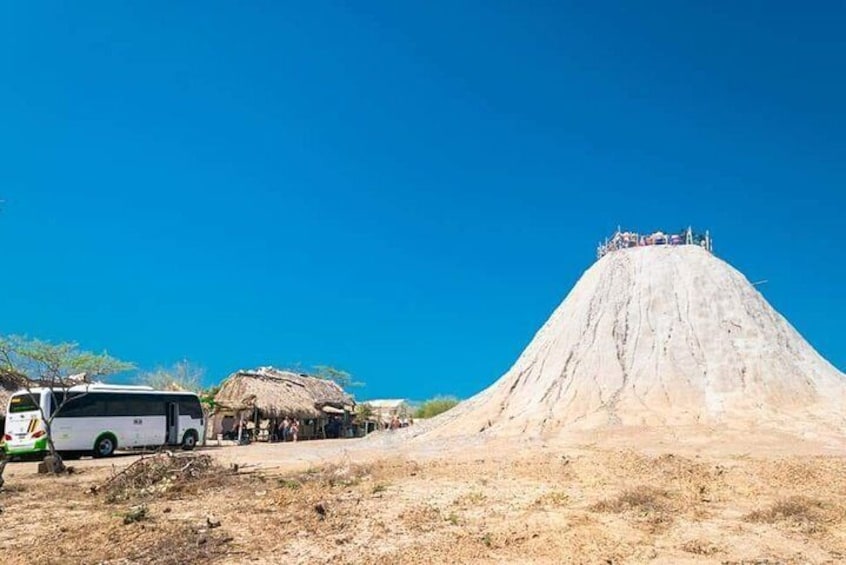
point(659, 337)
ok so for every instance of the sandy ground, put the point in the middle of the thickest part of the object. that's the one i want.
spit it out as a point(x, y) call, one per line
point(374, 501)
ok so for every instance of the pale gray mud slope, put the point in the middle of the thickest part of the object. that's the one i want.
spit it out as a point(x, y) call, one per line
point(659, 338)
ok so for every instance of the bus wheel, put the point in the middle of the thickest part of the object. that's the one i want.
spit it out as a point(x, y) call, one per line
point(189, 440)
point(105, 446)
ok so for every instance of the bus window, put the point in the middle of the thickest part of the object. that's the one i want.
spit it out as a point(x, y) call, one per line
point(190, 406)
point(24, 403)
point(144, 404)
point(83, 405)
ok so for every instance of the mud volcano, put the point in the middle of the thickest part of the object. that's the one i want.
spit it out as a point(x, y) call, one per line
point(662, 338)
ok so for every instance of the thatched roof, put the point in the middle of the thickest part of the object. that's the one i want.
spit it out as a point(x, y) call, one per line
point(9, 383)
point(5, 393)
point(277, 393)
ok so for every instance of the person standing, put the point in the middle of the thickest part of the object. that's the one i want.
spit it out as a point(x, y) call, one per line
point(283, 429)
point(295, 430)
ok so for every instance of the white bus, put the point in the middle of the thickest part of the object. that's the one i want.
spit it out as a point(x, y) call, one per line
point(98, 419)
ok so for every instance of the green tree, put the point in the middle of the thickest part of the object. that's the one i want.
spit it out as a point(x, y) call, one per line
point(363, 411)
point(435, 406)
point(34, 363)
point(207, 396)
point(342, 378)
point(183, 375)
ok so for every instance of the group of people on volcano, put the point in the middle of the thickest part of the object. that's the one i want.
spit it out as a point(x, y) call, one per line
point(625, 240)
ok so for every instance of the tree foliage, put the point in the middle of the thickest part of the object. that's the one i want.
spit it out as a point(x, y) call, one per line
point(363, 411)
point(31, 363)
point(207, 396)
point(183, 375)
point(435, 406)
point(342, 378)
point(44, 363)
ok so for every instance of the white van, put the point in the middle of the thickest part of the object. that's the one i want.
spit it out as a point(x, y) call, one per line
point(98, 419)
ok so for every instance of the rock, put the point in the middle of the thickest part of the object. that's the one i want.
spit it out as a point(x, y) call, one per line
point(212, 522)
point(51, 466)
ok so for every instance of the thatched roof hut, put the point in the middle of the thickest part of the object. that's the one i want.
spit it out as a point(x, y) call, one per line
point(5, 393)
point(9, 383)
point(276, 393)
point(384, 409)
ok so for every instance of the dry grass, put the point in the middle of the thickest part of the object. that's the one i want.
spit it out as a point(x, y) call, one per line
point(645, 505)
point(808, 515)
point(700, 547)
point(177, 544)
point(469, 511)
point(552, 499)
point(642, 499)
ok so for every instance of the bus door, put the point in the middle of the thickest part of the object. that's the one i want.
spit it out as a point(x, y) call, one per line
point(172, 423)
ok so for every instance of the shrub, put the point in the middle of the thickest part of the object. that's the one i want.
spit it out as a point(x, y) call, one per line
point(435, 406)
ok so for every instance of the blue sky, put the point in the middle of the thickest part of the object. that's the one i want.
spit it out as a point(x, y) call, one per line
point(403, 190)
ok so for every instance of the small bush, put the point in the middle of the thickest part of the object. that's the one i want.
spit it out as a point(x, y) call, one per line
point(793, 508)
point(808, 514)
point(699, 547)
point(649, 506)
point(474, 498)
point(135, 514)
point(639, 499)
point(435, 406)
point(379, 488)
point(289, 483)
point(552, 498)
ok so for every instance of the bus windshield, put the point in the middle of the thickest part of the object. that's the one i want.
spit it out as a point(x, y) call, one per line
point(24, 403)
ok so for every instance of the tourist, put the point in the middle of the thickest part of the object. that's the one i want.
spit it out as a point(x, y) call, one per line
point(284, 428)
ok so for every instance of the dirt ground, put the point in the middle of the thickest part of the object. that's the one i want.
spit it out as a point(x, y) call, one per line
point(353, 501)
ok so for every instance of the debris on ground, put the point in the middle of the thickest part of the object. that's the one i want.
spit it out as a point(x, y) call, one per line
point(159, 474)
